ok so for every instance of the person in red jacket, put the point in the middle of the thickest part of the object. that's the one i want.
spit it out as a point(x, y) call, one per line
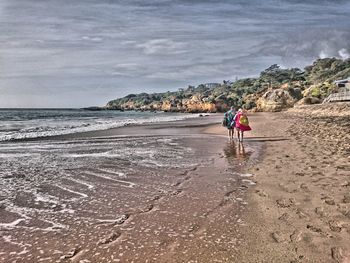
point(242, 124)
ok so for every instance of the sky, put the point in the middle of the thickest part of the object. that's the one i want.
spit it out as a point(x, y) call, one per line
point(77, 53)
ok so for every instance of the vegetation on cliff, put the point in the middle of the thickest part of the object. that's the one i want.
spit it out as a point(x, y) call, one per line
point(276, 88)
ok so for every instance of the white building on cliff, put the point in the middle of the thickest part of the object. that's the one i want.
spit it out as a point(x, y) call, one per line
point(343, 84)
point(343, 93)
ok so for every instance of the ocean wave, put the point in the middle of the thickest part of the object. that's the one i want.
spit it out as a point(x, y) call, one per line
point(62, 126)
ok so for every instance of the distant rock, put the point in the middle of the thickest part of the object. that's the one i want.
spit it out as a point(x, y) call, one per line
point(278, 99)
point(308, 101)
point(94, 108)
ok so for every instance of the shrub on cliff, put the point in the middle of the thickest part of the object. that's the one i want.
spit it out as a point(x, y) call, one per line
point(327, 70)
point(293, 84)
point(274, 76)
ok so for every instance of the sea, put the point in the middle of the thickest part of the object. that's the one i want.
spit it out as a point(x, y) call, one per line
point(35, 123)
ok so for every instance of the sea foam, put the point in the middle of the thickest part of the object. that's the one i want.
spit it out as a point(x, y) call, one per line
point(40, 123)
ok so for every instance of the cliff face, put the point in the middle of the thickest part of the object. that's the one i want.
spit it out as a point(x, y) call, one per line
point(278, 99)
point(274, 90)
point(192, 105)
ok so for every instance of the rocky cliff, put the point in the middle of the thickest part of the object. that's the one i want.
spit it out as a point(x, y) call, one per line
point(274, 90)
point(278, 99)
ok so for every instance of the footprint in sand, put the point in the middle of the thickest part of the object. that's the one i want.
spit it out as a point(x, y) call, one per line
point(261, 193)
point(121, 220)
point(147, 208)
point(112, 237)
point(229, 193)
point(328, 200)
point(179, 183)
point(338, 255)
point(176, 192)
point(314, 229)
point(156, 197)
point(347, 214)
point(304, 187)
point(296, 236)
point(302, 214)
point(284, 217)
point(187, 178)
point(193, 228)
point(72, 253)
point(346, 199)
point(278, 237)
point(320, 211)
point(335, 226)
point(285, 203)
point(286, 188)
point(300, 259)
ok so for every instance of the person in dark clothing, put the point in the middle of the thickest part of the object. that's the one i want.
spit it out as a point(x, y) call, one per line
point(229, 120)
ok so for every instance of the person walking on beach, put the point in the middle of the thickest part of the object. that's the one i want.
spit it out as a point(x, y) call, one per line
point(242, 124)
point(229, 122)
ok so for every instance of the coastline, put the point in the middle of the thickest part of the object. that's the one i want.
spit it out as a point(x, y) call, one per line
point(66, 123)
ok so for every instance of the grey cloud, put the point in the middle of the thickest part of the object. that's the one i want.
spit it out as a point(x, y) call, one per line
point(102, 49)
point(162, 45)
point(303, 47)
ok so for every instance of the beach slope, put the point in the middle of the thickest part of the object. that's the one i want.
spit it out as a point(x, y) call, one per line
point(300, 209)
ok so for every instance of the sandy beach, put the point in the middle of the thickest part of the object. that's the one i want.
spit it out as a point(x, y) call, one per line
point(299, 210)
point(281, 196)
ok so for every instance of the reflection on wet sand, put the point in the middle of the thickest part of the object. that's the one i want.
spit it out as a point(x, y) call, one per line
point(236, 152)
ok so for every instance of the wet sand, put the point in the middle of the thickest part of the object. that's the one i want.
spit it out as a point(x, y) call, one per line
point(154, 193)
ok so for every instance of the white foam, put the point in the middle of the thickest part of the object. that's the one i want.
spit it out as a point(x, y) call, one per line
point(69, 211)
point(94, 155)
point(45, 259)
point(246, 175)
point(248, 182)
point(71, 191)
point(45, 199)
point(106, 221)
point(24, 212)
point(153, 163)
point(120, 174)
point(12, 224)
point(122, 183)
point(55, 226)
point(21, 211)
point(89, 186)
point(52, 127)
point(14, 155)
point(24, 247)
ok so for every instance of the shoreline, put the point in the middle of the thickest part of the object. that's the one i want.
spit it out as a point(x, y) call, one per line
point(195, 121)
